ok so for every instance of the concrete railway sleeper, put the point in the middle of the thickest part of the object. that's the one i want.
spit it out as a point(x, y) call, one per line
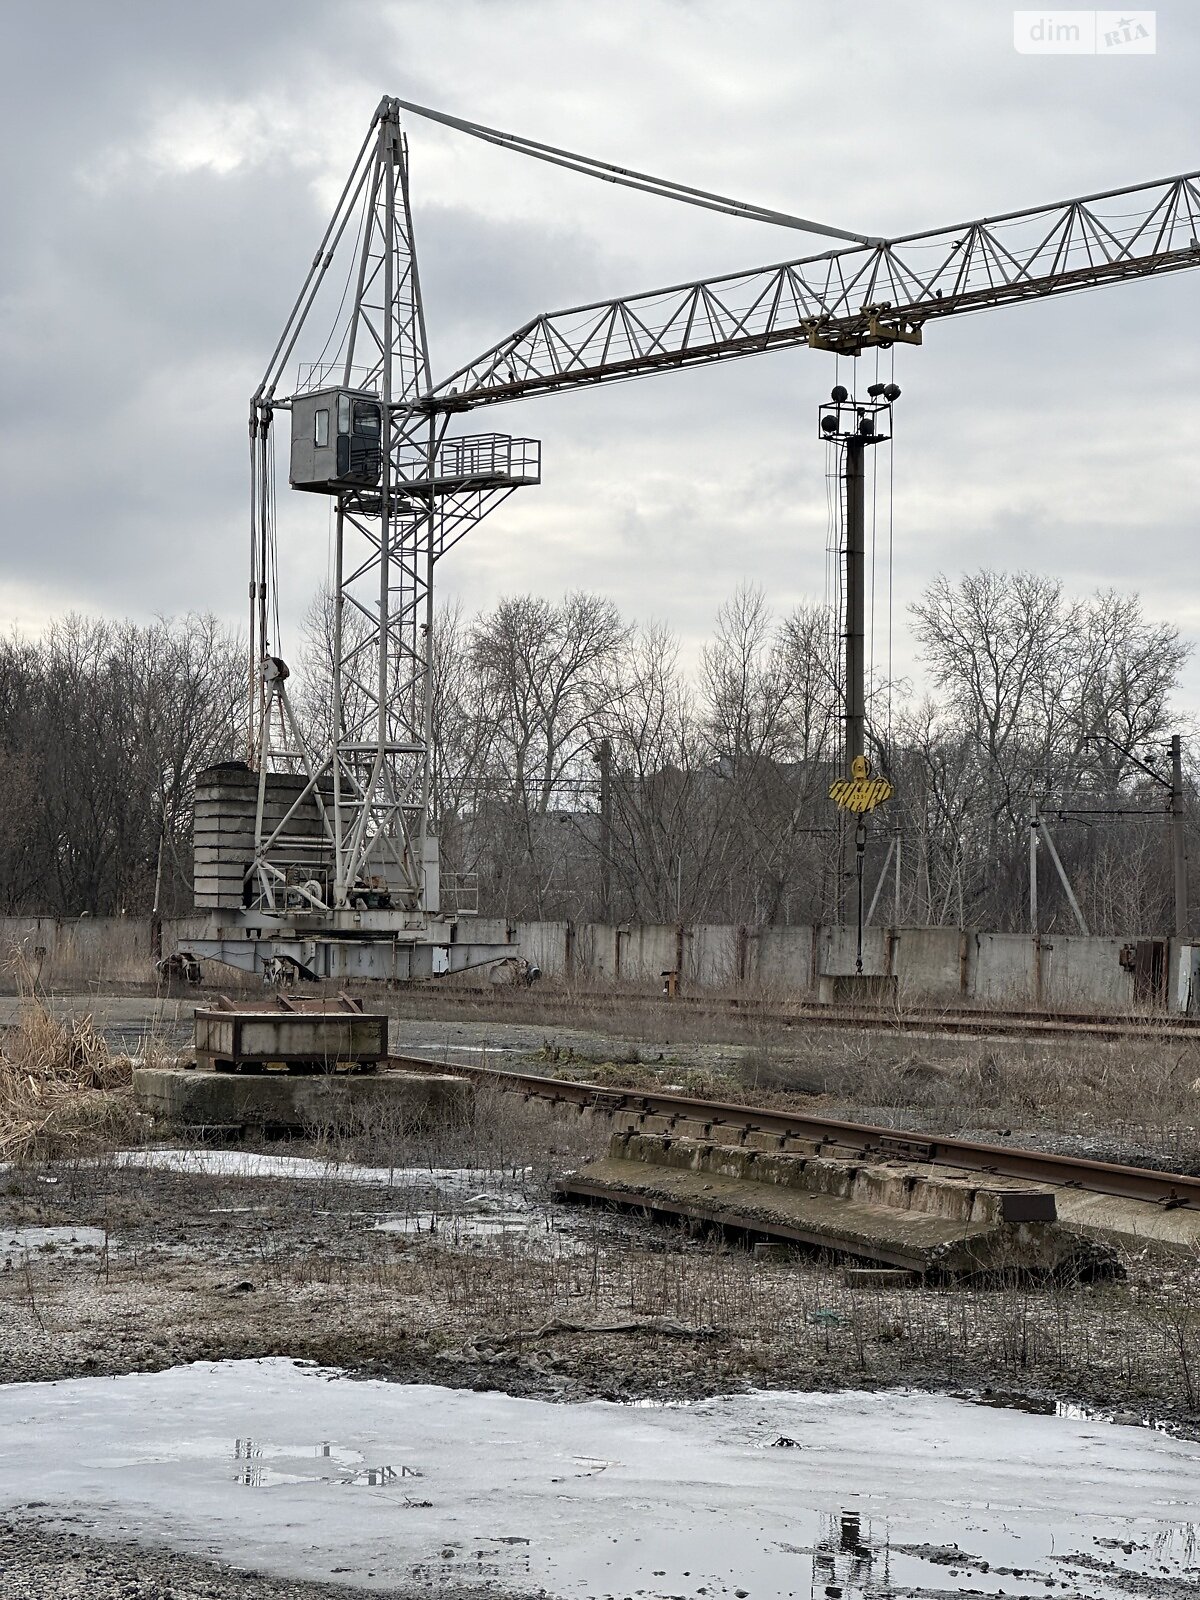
point(945, 1207)
point(733, 1123)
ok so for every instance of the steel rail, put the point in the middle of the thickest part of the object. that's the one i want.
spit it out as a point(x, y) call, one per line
point(927, 1019)
point(1167, 1189)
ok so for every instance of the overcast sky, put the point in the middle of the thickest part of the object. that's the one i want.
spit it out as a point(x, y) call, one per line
point(168, 172)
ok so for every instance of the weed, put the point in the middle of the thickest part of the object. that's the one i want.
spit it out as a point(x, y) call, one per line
point(60, 1086)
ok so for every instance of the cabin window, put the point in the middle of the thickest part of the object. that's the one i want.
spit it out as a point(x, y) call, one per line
point(366, 418)
point(321, 428)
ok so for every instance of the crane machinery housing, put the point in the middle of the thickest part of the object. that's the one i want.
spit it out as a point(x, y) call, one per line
point(316, 856)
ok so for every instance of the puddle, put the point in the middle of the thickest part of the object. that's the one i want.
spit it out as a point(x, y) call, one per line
point(491, 1214)
point(1039, 1406)
point(472, 1220)
point(304, 1473)
point(19, 1244)
point(252, 1164)
point(455, 1226)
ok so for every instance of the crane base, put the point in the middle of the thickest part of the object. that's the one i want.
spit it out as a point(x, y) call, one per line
point(282, 959)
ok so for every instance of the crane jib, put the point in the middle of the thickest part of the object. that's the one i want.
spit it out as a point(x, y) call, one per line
point(844, 300)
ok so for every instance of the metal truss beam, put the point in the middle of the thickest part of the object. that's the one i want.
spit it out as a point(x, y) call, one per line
point(845, 300)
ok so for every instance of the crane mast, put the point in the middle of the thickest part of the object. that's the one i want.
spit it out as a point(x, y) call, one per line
point(317, 856)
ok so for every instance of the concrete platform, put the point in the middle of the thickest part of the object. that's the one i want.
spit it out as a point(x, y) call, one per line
point(857, 989)
point(309, 1103)
point(902, 1214)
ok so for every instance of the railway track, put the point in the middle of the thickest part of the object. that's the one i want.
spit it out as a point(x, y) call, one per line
point(728, 1122)
point(963, 1021)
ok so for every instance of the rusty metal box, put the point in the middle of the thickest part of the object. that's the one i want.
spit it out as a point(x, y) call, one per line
point(303, 1040)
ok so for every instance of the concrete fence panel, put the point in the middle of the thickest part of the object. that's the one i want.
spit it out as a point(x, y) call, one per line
point(77, 952)
point(711, 955)
point(1067, 971)
point(783, 957)
point(931, 962)
point(1004, 968)
point(600, 943)
point(547, 945)
point(1081, 974)
point(838, 946)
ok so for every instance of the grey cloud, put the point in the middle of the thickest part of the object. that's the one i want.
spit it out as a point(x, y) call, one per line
point(139, 314)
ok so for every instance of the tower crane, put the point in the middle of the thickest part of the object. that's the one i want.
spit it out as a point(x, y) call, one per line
point(316, 856)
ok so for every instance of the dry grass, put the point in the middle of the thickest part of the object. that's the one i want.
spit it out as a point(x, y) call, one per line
point(1140, 1096)
point(61, 1088)
point(1112, 1343)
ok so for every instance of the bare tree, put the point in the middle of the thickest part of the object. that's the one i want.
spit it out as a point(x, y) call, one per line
point(113, 723)
point(545, 675)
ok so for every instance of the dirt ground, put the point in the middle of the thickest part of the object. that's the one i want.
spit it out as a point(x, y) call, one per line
point(459, 1268)
point(453, 1265)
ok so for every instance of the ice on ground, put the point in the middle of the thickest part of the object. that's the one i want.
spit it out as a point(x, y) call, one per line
point(480, 1217)
point(252, 1164)
point(18, 1244)
point(302, 1472)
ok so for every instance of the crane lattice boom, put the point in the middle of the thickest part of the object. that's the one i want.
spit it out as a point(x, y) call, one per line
point(846, 300)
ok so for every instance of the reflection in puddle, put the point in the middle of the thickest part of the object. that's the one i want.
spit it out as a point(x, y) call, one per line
point(851, 1559)
point(1043, 1406)
point(253, 1164)
point(1124, 1416)
point(347, 1466)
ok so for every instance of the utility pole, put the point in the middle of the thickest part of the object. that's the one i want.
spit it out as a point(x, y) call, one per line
point(1179, 841)
point(604, 759)
point(1175, 812)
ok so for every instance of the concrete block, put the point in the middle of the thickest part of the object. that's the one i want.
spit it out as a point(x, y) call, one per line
point(314, 1102)
point(766, 1250)
point(900, 1213)
point(857, 989)
point(312, 1038)
point(878, 1278)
